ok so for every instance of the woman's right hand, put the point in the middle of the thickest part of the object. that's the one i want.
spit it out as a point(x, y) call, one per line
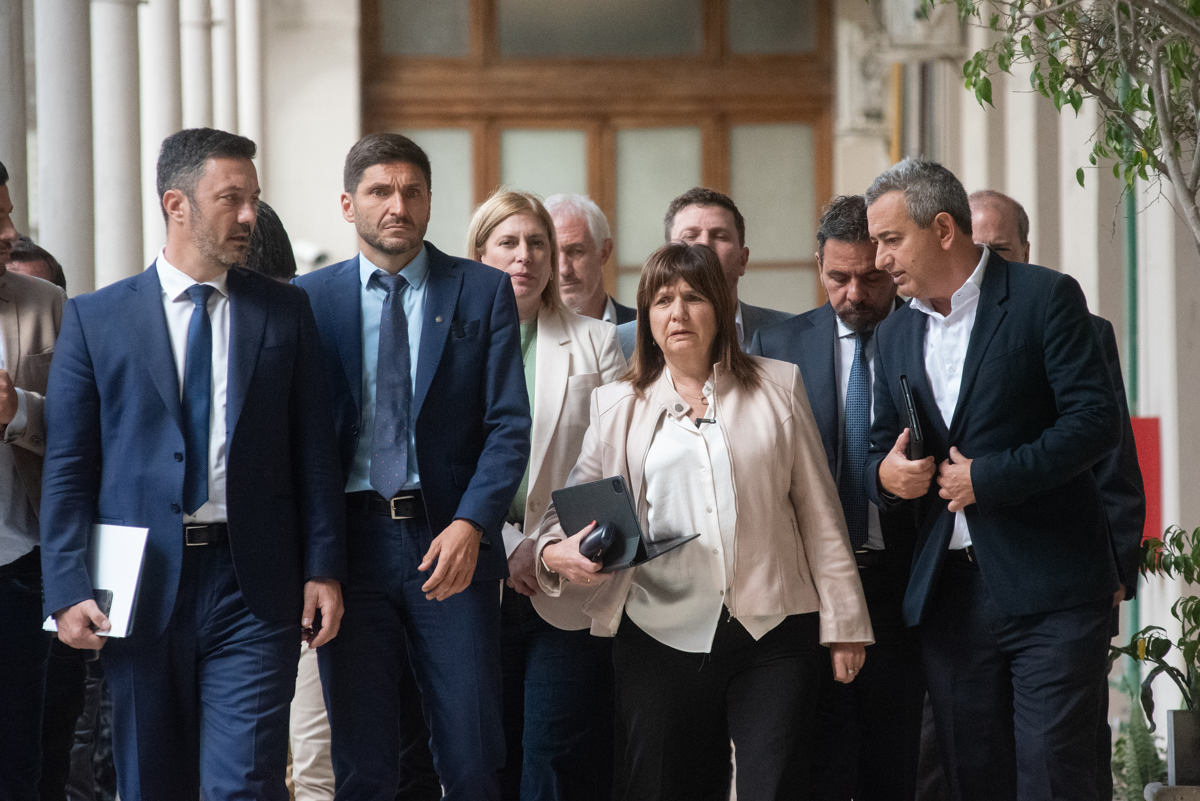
point(563, 558)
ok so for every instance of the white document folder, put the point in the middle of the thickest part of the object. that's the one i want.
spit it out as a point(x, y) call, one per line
point(115, 565)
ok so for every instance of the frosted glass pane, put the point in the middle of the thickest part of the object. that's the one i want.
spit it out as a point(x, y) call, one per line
point(422, 28)
point(772, 26)
point(771, 175)
point(545, 162)
point(654, 166)
point(450, 162)
point(600, 28)
point(789, 289)
point(627, 284)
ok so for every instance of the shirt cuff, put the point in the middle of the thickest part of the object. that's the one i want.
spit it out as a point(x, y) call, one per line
point(512, 538)
point(17, 427)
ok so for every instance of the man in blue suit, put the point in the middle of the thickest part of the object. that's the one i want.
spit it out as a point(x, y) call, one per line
point(868, 730)
point(189, 400)
point(423, 351)
point(1014, 576)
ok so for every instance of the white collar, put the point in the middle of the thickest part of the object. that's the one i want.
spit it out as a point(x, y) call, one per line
point(176, 283)
point(968, 291)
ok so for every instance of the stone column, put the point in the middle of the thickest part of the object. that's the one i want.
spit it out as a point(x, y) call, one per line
point(162, 108)
point(196, 52)
point(982, 130)
point(115, 109)
point(12, 100)
point(225, 67)
point(1031, 138)
point(66, 204)
point(249, 15)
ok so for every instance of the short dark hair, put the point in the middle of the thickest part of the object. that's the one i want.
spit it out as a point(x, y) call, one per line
point(270, 250)
point(699, 196)
point(845, 219)
point(3, 174)
point(929, 189)
point(383, 148)
point(183, 155)
point(992, 196)
point(26, 250)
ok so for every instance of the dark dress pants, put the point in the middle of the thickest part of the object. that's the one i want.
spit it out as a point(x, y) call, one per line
point(202, 710)
point(869, 731)
point(1016, 699)
point(558, 708)
point(66, 688)
point(453, 647)
point(418, 778)
point(679, 710)
point(22, 677)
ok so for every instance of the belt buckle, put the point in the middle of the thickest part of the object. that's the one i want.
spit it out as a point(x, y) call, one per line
point(392, 507)
point(187, 535)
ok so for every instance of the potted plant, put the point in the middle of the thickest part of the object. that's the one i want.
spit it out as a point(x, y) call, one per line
point(1176, 555)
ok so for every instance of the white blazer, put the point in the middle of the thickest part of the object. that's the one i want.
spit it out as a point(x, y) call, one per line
point(575, 354)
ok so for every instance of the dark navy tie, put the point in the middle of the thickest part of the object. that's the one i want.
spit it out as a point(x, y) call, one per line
point(393, 392)
point(197, 400)
point(854, 444)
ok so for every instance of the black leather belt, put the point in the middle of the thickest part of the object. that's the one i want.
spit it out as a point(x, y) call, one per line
point(205, 533)
point(963, 556)
point(867, 558)
point(406, 505)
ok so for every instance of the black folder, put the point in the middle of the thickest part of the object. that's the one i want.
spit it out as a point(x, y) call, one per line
point(609, 501)
point(916, 440)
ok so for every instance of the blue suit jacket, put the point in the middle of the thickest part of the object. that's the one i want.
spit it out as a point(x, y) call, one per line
point(1036, 410)
point(470, 407)
point(114, 450)
point(808, 341)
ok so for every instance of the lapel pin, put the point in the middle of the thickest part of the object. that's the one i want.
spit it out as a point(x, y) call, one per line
point(438, 318)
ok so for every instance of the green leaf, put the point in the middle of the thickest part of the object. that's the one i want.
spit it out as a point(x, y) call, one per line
point(1079, 176)
point(1004, 61)
point(1027, 45)
point(983, 90)
point(994, 22)
point(1040, 24)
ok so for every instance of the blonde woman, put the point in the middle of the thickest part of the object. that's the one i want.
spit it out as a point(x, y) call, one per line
point(558, 706)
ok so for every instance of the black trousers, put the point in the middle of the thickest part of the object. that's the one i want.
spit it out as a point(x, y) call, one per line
point(869, 731)
point(1016, 699)
point(22, 677)
point(678, 712)
point(66, 680)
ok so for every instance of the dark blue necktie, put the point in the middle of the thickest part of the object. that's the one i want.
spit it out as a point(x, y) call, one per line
point(197, 400)
point(854, 444)
point(393, 392)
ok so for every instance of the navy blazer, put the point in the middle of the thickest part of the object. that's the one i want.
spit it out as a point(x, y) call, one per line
point(625, 314)
point(1120, 477)
point(1036, 410)
point(808, 341)
point(114, 450)
point(470, 405)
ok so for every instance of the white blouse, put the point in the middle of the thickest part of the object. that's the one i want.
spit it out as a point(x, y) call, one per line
point(677, 598)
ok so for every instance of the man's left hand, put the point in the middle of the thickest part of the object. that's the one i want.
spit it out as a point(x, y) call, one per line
point(326, 595)
point(954, 478)
point(456, 550)
point(8, 398)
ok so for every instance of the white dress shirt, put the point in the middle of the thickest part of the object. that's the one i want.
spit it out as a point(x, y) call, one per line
point(18, 520)
point(741, 329)
point(677, 598)
point(843, 359)
point(179, 307)
point(946, 341)
point(610, 310)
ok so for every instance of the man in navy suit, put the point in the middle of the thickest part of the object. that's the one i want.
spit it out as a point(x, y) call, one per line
point(1013, 577)
point(424, 354)
point(708, 217)
point(584, 245)
point(868, 730)
point(1001, 223)
point(189, 400)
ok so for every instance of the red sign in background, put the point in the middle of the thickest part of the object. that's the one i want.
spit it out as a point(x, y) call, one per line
point(1146, 435)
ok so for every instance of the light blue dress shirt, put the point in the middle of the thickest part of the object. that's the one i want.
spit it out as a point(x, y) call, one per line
point(373, 295)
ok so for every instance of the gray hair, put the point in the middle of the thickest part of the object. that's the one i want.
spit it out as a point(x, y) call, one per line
point(581, 206)
point(929, 189)
point(992, 196)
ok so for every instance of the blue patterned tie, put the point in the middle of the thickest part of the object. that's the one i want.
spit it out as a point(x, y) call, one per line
point(854, 444)
point(393, 392)
point(197, 399)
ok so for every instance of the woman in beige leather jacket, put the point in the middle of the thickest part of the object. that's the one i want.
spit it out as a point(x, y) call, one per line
point(720, 638)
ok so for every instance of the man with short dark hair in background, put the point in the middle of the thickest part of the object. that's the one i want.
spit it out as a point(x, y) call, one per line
point(27, 258)
point(424, 354)
point(707, 217)
point(1013, 578)
point(584, 245)
point(867, 732)
point(30, 316)
point(270, 250)
point(190, 400)
point(1000, 222)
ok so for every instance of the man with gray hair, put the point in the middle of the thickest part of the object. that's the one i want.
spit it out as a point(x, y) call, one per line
point(584, 245)
point(1013, 576)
